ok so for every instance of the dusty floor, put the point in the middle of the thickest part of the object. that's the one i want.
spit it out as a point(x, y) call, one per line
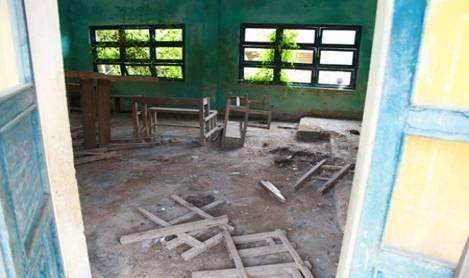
point(111, 190)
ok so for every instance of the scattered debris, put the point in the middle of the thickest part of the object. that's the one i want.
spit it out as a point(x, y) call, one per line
point(273, 190)
point(296, 269)
point(95, 157)
point(284, 126)
point(299, 183)
point(354, 131)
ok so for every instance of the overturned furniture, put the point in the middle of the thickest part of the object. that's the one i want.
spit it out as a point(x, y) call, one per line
point(145, 112)
point(236, 122)
point(260, 108)
point(274, 242)
point(194, 229)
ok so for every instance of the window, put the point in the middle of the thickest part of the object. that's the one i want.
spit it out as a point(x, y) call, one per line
point(305, 55)
point(150, 50)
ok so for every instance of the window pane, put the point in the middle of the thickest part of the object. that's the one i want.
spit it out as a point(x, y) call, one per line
point(259, 35)
point(137, 53)
point(169, 53)
point(340, 78)
point(293, 75)
point(108, 52)
point(10, 74)
point(297, 56)
point(258, 74)
point(107, 35)
point(338, 37)
point(138, 70)
point(137, 35)
point(329, 57)
point(169, 35)
point(259, 54)
point(169, 72)
point(109, 69)
point(301, 35)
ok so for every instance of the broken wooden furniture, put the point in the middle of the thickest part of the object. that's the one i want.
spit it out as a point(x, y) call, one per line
point(190, 237)
point(95, 98)
point(145, 112)
point(236, 110)
point(260, 108)
point(274, 243)
point(328, 181)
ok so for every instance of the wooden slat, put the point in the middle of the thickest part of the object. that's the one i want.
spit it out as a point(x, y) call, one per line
point(298, 261)
point(175, 242)
point(230, 245)
point(299, 183)
point(275, 270)
point(88, 159)
point(262, 251)
point(88, 108)
point(96, 75)
point(338, 175)
point(189, 240)
point(104, 111)
point(195, 209)
point(273, 190)
point(243, 239)
point(209, 243)
point(176, 229)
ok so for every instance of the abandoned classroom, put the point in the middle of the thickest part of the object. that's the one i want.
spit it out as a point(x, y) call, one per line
point(234, 138)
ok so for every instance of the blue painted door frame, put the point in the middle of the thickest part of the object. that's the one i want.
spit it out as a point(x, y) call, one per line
point(28, 239)
point(399, 117)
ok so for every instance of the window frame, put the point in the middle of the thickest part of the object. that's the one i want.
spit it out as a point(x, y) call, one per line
point(152, 43)
point(317, 47)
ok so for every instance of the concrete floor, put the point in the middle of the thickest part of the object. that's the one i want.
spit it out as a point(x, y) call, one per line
point(111, 190)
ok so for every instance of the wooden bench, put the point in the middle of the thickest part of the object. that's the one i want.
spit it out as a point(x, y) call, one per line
point(145, 114)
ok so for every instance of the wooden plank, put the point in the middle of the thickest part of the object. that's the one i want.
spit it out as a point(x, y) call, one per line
point(299, 183)
point(88, 108)
point(298, 261)
point(195, 209)
point(462, 271)
point(176, 229)
point(230, 245)
point(175, 242)
point(131, 146)
point(88, 159)
point(243, 239)
point(96, 75)
point(331, 182)
point(274, 270)
point(273, 190)
point(262, 251)
point(295, 273)
point(104, 111)
point(209, 243)
point(189, 240)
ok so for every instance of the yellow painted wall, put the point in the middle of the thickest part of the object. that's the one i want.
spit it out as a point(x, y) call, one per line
point(443, 74)
point(430, 208)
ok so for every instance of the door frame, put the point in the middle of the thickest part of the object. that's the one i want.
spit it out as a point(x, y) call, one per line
point(379, 54)
point(48, 72)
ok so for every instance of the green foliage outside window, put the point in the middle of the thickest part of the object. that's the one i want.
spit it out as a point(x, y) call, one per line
point(143, 53)
point(287, 44)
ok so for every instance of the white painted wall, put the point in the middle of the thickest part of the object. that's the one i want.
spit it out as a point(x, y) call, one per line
point(47, 63)
point(382, 34)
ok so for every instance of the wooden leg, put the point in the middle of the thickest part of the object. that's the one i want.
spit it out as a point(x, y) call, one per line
point(88, 108)
point(104, 111)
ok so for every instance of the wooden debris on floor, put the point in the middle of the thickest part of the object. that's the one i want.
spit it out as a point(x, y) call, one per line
point(95, 157)
point(328, 182)
point(273, 190)
point(276, 242)
point(189, 235)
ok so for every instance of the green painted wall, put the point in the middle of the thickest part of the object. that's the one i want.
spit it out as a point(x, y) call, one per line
point(212, 46)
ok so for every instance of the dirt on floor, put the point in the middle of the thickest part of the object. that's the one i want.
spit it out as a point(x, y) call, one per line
point(111, 190)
